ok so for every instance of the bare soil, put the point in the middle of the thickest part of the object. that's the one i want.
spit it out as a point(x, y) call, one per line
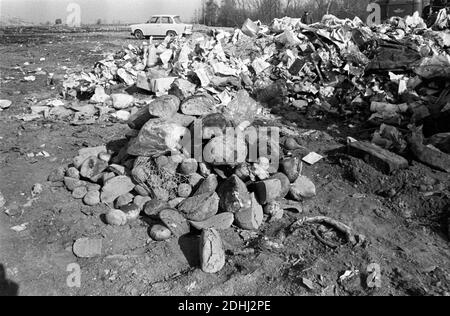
point(405, 224)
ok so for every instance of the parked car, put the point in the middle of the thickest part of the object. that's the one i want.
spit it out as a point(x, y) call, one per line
point(161, 25)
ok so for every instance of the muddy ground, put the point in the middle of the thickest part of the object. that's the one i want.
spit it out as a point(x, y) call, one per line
point(403, 216)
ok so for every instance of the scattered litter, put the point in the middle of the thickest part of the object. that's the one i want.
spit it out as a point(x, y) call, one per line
point(20, 228)
point(312, 158)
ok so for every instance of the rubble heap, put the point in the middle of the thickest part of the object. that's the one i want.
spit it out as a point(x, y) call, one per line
point(222, 81)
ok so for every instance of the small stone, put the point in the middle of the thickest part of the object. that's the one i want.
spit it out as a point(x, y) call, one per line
point(243, 172)
point(176, 202)
point(71, 183)
point(87, 248)
point(154, 207)
point(124, 200)
point(210, 184)
point(93, 168)
point(140, 201)
point(92, 198)
point(252, 217)
point(201, 207)
point(93, 187)
point(195, 179)
point(160, 233)
point(57, 175)
point(132, 212)
point(161, 194)
point(79, 193)
point(122, 115)
point(122, 101)
point(116, 218)
point(291, 168)
point(5, 104)
point(291, 144)
point(116, 187)
point(302, 189)
point(184, 190)
point(73, 172)
point(212, 257)
point(221, 221)
point(161, 162)
point(204, 170)
point(36, 189)
point(234, 195)
point(117, 169)
point(175, 221)
point(85, 153)
point(104, 157)
point(188, 167)
point(274, 210)
point(140, 190)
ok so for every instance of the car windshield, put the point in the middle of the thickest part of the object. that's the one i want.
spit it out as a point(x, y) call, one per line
point(177, 19)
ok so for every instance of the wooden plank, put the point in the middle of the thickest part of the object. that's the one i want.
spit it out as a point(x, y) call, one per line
point(379, 158)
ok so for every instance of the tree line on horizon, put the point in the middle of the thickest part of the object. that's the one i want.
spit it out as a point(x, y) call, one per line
point(233, 13)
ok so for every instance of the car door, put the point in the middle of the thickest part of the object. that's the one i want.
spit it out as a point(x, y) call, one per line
point(165, 25)
point(151, 28)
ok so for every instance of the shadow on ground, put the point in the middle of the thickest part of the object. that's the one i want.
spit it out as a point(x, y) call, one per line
point(7, 287)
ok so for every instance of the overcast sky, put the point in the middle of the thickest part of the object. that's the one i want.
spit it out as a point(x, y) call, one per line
point(126, 11)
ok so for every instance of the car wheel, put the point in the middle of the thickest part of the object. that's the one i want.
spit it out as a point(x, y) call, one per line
point(171, 33)
point(139, 35)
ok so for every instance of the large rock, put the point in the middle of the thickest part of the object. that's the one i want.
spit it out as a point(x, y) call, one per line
point(234, 195)
point(225, 150)
point(303, 188)
point(116, 187)
point(212, 257)
point(182, 88)
point(252, 217)
point(210, 184)
point(199, 105)
point(87, 248)
point(214, 125)
point(201, 207)
point(122, 101)
point(165, 106)
point(157, 137)
point(291, 168)
point(221, 221)
point(175, 221)
point(242, 108)
point(268, 191)
point(285, 183)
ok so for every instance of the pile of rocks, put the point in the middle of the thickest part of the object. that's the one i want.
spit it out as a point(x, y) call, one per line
point(154, 176)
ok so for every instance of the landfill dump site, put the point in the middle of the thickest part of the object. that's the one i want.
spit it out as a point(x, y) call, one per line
point(281, 159)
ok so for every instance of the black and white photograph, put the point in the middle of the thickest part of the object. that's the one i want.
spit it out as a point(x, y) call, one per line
point(226, 155)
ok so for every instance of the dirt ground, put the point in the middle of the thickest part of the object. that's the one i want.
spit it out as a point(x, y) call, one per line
point(403, 216)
